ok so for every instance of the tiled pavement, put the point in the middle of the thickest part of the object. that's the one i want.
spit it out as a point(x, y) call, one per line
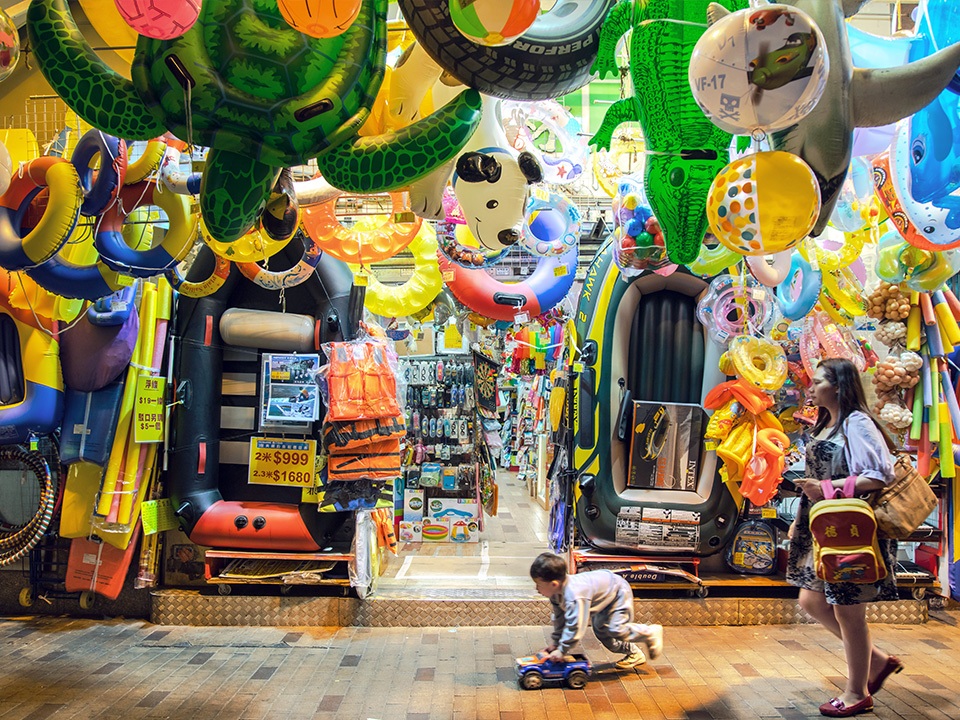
point(62, 668)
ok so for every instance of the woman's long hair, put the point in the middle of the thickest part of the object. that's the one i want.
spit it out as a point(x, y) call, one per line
point(844, 376)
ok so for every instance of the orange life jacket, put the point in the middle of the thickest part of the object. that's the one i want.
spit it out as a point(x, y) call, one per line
point(362, 385)
point(373, 461)
point(338, 436)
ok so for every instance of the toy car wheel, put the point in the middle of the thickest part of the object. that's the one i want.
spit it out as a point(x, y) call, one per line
point(26, 597)
point(531, 681)
point(87, 599)
point(577, 679)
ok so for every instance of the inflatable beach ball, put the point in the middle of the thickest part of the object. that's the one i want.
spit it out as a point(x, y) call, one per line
point(320, 18)
point(759, 69)
point(764, 203)
point(160, 19)
point(493, 22)
point(9, 46)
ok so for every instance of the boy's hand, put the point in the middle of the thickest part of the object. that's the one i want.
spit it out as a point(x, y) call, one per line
point(549, 649)
point(555, 655)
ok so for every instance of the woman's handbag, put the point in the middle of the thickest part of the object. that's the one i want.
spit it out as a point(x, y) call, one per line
point(905, 503)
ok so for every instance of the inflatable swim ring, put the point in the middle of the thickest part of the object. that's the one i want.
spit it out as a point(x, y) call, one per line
point(200, 288)
point(58, 221)
point(548, 131)
point(547, 286)
point(291, 277)
point(552, 224)
point(627, 148)
point(734, 306)
point(773, 274)
point(362, 244)
point(255, 246)
point(418, 291)
point(148, 161)
point(100, 193)
point(795, 306)
point(759, 361)
point(177, 241)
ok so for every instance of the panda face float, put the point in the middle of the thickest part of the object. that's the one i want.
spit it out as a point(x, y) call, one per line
point(492, 186)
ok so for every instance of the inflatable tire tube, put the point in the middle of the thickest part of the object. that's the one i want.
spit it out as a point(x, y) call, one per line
point(504, 301)
point(552, 58)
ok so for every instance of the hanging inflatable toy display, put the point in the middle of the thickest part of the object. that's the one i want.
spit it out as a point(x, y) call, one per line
point(296, 98)
point(685, 151)
point(204, 287)
point(281, 216)
point(714, 258)
point(148, 161)
point(320, 18)
point(759, 361)
point(770, 273)
point(459, 245)
point(845, 291)
point(493, 22)
point(550, 59)
point(774, 66)
point(547, 286)
point(548, 131)
point(369, 240)
point(638, 239)
point(291, 277)
point(625, 156)
point(59, 218)
point(112, 154)
point(833, 253)
point(160, 19)
point(921, 270)
point(421, 289)
point(763, 203)
point(734, 306)
point(9, 46)
point(552, 224)
point(177, 241)
point(763, 473)
point(173, 178)
point(255, 246)
point(797, 297)
point(933, 227)
point(855, 199)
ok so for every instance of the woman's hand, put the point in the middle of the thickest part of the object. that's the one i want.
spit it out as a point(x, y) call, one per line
point(811, 488)
point(792, 530)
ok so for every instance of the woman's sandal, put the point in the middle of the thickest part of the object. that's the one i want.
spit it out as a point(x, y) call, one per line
point(892, 667)
point(836, 708)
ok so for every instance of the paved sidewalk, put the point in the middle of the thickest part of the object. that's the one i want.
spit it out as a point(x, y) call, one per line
point(62, 668)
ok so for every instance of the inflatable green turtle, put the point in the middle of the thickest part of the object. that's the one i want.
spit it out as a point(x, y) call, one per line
point(258, 93)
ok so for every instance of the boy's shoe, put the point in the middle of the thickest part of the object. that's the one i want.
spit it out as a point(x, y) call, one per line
point(655, 641)
point(633, 659)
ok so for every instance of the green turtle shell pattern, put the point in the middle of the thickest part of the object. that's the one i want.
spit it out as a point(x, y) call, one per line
point(387, 162)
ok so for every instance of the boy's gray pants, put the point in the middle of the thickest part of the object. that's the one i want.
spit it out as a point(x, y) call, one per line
point(614, 625)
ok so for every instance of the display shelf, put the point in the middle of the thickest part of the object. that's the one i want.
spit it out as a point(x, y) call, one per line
point(216, 561)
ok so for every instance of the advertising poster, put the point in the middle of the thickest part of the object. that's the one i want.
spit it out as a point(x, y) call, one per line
point(292, 394)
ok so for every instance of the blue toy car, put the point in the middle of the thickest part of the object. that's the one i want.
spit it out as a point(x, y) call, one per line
point(534, 669)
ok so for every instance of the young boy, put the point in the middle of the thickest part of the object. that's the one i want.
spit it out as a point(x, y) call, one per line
point(600, 594)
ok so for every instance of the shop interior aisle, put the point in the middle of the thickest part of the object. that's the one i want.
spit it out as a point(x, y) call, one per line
point(500, 560)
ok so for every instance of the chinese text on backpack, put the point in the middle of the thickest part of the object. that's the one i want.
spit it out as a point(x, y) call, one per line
point(845, 537)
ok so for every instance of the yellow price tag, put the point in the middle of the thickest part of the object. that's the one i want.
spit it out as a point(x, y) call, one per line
point(274, 461)
point(149, 410)
point(310, 495)
point(449, 275)
point(738, 558)
point(158, 516)
point(768, 512)
point(560, 271)
point(360, 280)
point(578, 367)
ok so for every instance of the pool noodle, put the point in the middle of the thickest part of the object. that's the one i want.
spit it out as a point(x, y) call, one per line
point(947, 321)
point(917, 411)
point(947, 468)
point(926, 307)
point(913, 329)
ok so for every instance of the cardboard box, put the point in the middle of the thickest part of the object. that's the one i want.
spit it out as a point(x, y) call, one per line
point(183, 561)
point(412, 506)
point(666, 446)
point(411, 532)
point(461, 517)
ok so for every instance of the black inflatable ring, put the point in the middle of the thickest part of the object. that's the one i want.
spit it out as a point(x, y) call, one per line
point(552, 58)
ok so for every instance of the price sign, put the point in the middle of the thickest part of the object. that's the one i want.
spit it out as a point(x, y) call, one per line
point(768, 512)
point(560, 271)
point(274, 461)
point(149, 409)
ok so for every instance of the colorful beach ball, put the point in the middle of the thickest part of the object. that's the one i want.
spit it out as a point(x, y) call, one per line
point(160, 19)
point(763, 203)
point(320, 18)
point(759, 69)
point(493, 22)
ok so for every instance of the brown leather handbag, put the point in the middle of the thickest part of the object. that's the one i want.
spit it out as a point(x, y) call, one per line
point(903, 505)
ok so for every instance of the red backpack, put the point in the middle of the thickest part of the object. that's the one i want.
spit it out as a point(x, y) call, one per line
point(845, 537)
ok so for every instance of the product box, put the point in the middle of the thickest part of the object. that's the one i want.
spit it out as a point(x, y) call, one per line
point(411, 532)
point(666, 445)
point(461, 517)
point(183, 561)
point(412, 506)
